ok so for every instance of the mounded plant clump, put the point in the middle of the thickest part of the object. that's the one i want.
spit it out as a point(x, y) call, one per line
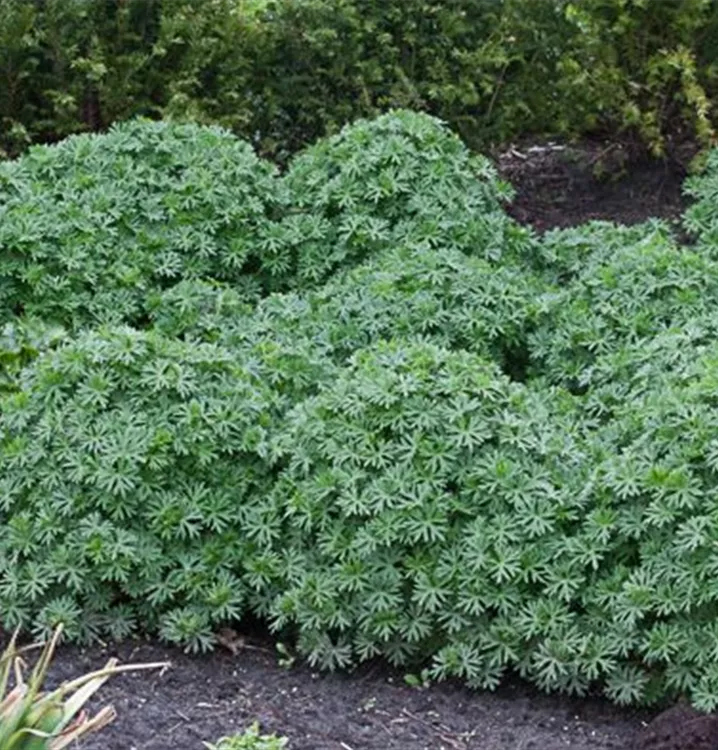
point(614, 287)
point(91, 226)
point(360, 404)
point(397, 180)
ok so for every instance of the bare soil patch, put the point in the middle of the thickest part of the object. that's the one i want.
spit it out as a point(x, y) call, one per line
point(565, 185)
point(204, 697)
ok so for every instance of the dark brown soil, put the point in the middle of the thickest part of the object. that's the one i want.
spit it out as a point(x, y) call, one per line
point(564, 185)
point(680, 728)
point(206, 697)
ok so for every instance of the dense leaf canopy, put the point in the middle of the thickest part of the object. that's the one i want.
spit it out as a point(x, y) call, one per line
point(359, 402)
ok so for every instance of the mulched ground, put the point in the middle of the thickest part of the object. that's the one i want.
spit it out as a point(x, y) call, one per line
point(203, 698)
point(560, 186)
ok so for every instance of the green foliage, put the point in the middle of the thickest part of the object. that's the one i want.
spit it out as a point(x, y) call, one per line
point(403, 426)
point(494, 71)
point(640, 66)
point(94, 229)
point(615, 286)
point(658, 469)
point(90, 227)
point(282, 74)
point(438, 295)
point(400, 179)
point(126, 461)
point(20, 342)
point(431, 506)
point(20, 48)
point(250, 739)
point(70, 66)
point(701, 217)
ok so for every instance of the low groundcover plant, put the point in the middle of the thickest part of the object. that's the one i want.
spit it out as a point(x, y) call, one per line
point(360, 403)
point(250, 739)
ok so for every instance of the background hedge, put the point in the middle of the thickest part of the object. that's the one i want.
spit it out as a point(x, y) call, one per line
point(281, 73)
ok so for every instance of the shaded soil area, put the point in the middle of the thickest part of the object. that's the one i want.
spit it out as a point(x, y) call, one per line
point(203, 698)
point(566, 185)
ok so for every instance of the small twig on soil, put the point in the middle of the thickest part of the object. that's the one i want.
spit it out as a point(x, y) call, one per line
point(384, 726)
point(345, 746)
point(441, 733)
point(173, 727)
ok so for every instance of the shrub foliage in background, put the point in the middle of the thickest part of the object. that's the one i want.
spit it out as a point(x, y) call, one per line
point(402, 426)
point(283, 73)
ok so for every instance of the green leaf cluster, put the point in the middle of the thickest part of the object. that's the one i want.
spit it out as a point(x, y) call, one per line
point(701, 217)
point(446, 441)
point(126, 457)
point(613, 286)
point(94, 229)
point(250, 739)
point(92, 226)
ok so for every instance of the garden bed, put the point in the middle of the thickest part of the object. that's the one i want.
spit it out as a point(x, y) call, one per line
point(204, 697)
point(560, 186)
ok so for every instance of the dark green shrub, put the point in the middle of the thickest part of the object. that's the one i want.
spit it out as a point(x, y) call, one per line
point(70, 66)
point(641, 67)
point(20, 50)
point(494, 71)
point(282, 74)
point(89, 228)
